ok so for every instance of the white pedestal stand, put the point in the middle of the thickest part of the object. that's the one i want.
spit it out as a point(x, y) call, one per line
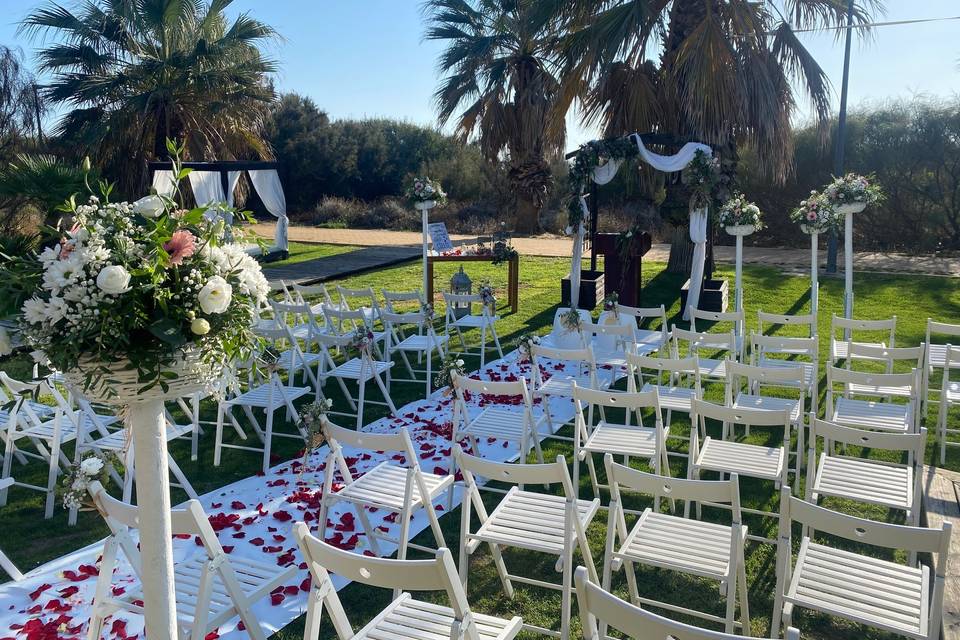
point(424, 208)
point(814, 268)
point(739, 231)
point(848, 210)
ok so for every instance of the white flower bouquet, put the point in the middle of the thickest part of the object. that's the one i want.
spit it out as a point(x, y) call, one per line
point(738, 211)
point(138, 287)
point(815, 214)
point(451, 365)
point(853, 189)
point(76, 481)
point(525, 344)
point(487, 296)
point(424, 189)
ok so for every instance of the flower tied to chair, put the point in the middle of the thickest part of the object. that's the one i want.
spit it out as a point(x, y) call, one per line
point(571, 320)
point(75, 486)
point(428, 312)
point(525, 345)
point(312, 419)
point(487, 296)
point(611, 302)
point(362, 341)
point(451, 365)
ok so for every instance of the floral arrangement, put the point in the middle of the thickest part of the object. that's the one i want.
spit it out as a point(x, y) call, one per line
point(424, 189)
point(362, 340)
point(589, 156)
point(853, 188)
point(571, 320)
point(485, 291)
point(311, 418)
point(503, 252)
point(739, 211)
point(702, 176)
point(429, 313)
point(75, 485)
point(815, 213)
point(451, 365)
point(611, 302)
point(139, 286)
point(524, 345)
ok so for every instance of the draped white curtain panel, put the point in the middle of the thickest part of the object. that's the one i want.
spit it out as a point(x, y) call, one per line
point(163, 182)
point(698, 236)
point(267, 184)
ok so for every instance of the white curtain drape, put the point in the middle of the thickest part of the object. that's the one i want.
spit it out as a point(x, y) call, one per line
point(163, 182)
point(698, 236)
point(576, 262)
point(267, 184)
point(671, 163)
point(206, 187)
point(606, 172)
point(233, 177)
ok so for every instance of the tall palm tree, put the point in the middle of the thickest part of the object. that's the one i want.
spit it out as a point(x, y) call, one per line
point(500, 85)
point(137, 72)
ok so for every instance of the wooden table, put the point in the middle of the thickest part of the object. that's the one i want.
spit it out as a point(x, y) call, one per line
point(513, 275)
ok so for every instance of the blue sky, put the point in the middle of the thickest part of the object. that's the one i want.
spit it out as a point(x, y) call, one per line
point(362, 58)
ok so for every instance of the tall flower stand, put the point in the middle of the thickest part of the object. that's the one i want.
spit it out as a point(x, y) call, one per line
point(814, 234)
point(739, 231)
point(424, 208)
point(848, 210)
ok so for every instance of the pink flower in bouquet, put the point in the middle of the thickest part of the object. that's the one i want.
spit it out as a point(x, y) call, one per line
point(811, 216)
point(181, 245)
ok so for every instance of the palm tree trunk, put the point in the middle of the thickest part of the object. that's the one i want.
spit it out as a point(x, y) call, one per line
point(527, 216)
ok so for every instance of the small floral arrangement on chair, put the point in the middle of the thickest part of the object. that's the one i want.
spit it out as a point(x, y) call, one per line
point(311, 418)
point(815, 214)
point(487, 297)
point(525, 344)
point(853, 189)
point(611, 302)
point(74, 487)
point(429, 313)
point(738, 211)
point(424, 189)
point(451, 365)
point(571, 320)
point(362, 340)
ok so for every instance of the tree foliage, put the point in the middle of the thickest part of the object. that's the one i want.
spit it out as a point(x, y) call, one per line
point(21, 108)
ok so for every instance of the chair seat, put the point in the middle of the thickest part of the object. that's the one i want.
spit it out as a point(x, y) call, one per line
point(881, 390)
point(870, 591)
point(287, 360)
point(383, 486)
point(303, 331)
point(713, 368)
point(751, 401)
point(496, 423)
point(808, 369)
point(650, 337)
point(562, 385)
point(840, 348)
point(937, 355)
point(474, 322)
point(420, 343)
point(351, 369)
point(749, 460)
point(118, 440)
point(624, 440)
point(870, 414)
point(953, 392)
point(533, 521)
point(676, 398)
point(44, 431)
point(260, 396)
point(615, 358)
point(412, 619)
point(683, 544)
point(865, 481)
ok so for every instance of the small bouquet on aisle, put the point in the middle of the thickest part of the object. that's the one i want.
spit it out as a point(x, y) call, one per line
point(424, 190)
point(815, 214)
point(611, 302)
point(362, 340)
point(525, 344)
point(311, 420)
point(739, 216)
point(852, 193)
point(571, 320)
point(451, 365)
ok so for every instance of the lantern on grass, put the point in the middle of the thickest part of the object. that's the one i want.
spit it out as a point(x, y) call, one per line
point(461, 284)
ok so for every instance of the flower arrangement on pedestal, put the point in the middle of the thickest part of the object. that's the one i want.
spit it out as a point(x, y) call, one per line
point(815, 214)
point(739, 216)
point(852, 193)
point(424, 190)
point(451, 365)
point(140, 295)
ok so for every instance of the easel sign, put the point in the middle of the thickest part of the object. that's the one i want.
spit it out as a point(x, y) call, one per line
point(439, 237)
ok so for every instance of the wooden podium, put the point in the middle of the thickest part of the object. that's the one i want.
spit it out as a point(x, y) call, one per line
point(622, 276)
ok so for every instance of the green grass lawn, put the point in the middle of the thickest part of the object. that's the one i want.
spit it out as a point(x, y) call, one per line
point(911, 298)
point(303, 251)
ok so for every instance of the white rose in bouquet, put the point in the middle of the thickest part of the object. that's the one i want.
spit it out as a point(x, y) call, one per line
point(215, 296)
point(149, 206)
point(113, 279)
point(200, 327)
point(91, 466)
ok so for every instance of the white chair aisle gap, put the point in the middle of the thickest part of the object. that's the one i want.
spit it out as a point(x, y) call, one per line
point(694, 547)
point(211, 586)
point(405, 616)
point(534, 522)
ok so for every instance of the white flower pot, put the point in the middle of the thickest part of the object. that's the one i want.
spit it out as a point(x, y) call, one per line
point(424, 205)
point(853, 207)
point(740, 229)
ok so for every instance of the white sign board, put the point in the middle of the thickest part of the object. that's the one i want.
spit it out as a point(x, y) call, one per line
point(439, 237)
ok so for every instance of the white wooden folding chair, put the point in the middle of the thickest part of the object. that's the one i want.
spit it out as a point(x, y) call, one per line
point(419, 338)
point(402, 302)
point(5, 563)
point(790, 352)
point(939, 335)
point(485, 321)
point(949, 396)
point(212, 587)
point(270, 396)
point(646, 340)
point(693, 547)
point(850, 399)
point(596, 605)
point(774, 321)
point(493, 421)
point(900, 599)
point(342, 321)
point(293, 357)
point(843, 331)
point(363, 368)
point(580, 369)
point(735, 319)
point(401, 488)
point(302, 322)
point(726, 455)
point(361, 299)
point(698, 344)
point(405, 617)
point(611, 344)
point(316, 295)
point(627, 438)
point(676, 381)
point(539, 522)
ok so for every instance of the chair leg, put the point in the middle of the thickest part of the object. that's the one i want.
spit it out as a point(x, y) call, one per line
point(483, 346)
point(219, 436)
point(52, 472)
point(567, 592)
point(268, 439)
point(744, 595)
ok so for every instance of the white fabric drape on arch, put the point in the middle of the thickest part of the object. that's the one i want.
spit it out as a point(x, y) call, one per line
point(163, 182)
point(267, 184)
point(698, 236)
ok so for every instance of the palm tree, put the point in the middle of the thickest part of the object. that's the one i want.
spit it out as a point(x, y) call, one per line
point(500, 85)
point(136, 73)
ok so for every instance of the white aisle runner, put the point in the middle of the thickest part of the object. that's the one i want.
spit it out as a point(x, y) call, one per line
point(254, 519)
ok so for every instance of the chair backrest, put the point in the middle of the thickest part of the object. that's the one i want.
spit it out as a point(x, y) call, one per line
point(807, 320)
point(581, 354)
point(393, 297)
point(837, 375)
point(911, 442)
point(670, 366)
point(770, 376)
point(762, 345)
point(305, 291)
point(344, 320)
point(741, 416)
point(467, 384)
point(513, 473)
point(951, 361)
point(363, 293)
point(645, 313)
point(888, 326)
point(436, 574)
point(622, 477)
point(627, 400)
point(697, 340)
point(735, 317)
point(595, 604)
point(406, 318)
point(337, 437)
point(891, 355)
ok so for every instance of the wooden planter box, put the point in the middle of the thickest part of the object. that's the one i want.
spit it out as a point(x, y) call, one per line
point(713, 296)
point(591, 290)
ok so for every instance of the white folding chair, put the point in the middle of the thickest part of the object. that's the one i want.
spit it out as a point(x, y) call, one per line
point(363, 368)
point(537, 522)
point(485, 321)
point(402, 302)
point(560, 384)
point(401, 488)
point(949, 396)
point(885, 595)
point(302, 322)
point(269, 396)
point(598, 605)
point(404, 617)
point(863, 412)
point(693, 547)
point(316, 295)
point(291, 357)
point(935, 354)
point(736, 320)
point(843, 331)
point(421, 339)
point(342, 321)
point(777, 320)
point(611, 345)
point(726, 455)
point(789, 352)
point(5, 563)
point(645, 340)
point(714, 344)
point(676, 381)
point(363, 299)
point(622, 438)
point(212, 587)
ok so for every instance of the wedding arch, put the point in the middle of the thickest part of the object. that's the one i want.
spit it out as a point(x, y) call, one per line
point(217, 181)
point(598, 161)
